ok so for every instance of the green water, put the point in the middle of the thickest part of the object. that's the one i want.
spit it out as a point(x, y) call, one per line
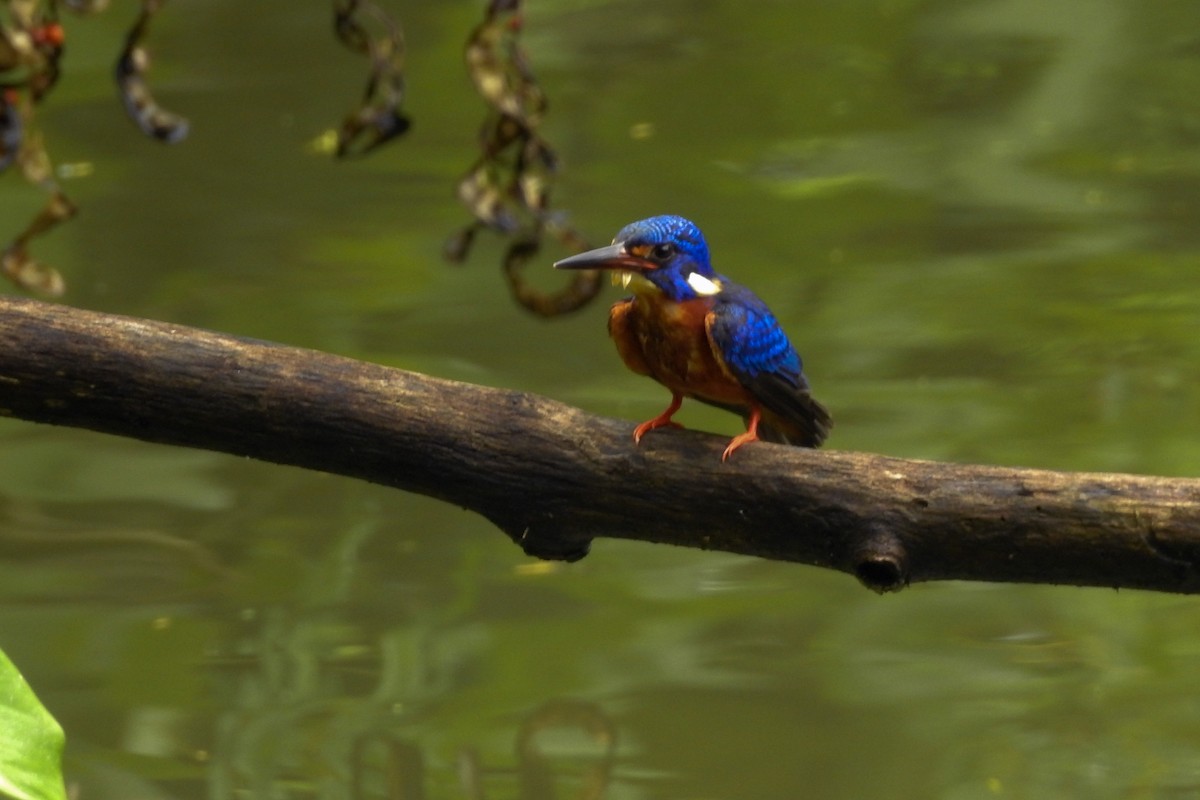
point(977, 221)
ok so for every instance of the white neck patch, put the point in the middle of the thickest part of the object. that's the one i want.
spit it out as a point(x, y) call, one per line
point(702, 285)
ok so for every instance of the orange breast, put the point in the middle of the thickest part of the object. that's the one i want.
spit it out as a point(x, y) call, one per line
point(668, 341)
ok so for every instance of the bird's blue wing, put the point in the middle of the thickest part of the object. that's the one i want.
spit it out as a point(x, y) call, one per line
point(750, 344)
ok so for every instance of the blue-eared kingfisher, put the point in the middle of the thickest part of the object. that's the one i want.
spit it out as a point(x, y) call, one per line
point(703, 336)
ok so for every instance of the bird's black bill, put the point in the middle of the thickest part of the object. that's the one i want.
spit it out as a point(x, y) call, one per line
point(612, 257)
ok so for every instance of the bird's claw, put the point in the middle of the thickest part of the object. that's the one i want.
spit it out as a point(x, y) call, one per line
point(654, 424)
point(751, 435)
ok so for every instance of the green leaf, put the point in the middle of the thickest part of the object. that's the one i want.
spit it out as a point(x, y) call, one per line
point(31, 742)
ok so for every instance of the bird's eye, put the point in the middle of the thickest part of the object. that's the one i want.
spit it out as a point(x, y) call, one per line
point(664, 251)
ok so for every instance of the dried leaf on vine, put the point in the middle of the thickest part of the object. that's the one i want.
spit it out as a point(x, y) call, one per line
point(20, 267)
point(378, 118)
point(151, 118)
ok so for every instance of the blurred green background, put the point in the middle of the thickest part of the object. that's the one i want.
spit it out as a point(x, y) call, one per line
point(977, 221)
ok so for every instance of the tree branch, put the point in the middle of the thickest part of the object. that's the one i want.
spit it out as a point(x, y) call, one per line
point(554, 477)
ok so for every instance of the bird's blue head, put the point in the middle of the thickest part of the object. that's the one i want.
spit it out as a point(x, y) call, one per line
point(667, 253)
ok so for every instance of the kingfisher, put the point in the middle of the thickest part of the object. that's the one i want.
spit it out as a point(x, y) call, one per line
point(703, 336)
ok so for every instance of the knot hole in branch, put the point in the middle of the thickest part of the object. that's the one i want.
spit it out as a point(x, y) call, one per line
point(881, 561)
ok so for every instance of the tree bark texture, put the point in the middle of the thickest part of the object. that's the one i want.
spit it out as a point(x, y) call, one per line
point(554, 477)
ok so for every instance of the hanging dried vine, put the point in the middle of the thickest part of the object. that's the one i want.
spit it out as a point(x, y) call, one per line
point(151, 118)
point(31, 48)
point(378, 118)
point(31, 45)
point(507, 189)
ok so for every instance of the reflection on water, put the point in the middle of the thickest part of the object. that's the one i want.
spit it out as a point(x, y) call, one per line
point(977, 223)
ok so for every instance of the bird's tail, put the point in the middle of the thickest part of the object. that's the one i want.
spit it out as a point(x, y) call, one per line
point(807, 424)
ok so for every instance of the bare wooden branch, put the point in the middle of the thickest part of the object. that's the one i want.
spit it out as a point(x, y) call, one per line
point(554, 477)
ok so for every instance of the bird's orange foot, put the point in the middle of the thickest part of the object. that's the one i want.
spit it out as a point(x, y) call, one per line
point(751, 435)
point(663, 420)
point(652, 424)
point(738, 441)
